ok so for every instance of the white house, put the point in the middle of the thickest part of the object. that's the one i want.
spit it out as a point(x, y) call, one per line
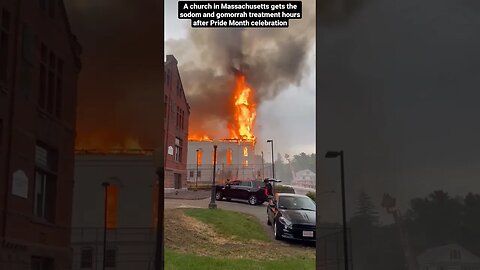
point(305, 178)
point(448, 257)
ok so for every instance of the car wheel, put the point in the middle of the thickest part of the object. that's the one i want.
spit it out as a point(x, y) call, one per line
point(276, 232)
point(219, 196)
point(252, 200)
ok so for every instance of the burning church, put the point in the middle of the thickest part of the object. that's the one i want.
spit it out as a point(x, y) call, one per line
point(235, 158)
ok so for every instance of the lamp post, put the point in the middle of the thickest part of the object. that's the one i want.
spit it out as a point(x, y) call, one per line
point(196, 174)
point(212, 204)
point(263, 167)
point(273, 161)
point(334, 154)
point(273, 167)
point(105, 186)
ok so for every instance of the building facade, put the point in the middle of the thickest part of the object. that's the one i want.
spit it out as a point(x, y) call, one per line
point(39, 66)
point(235, 161)
point(130, 201)
point(448, 257)
point(177, 112)
point(305, 178)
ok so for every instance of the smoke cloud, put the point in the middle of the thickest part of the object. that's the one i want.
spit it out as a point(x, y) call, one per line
point(271, 59)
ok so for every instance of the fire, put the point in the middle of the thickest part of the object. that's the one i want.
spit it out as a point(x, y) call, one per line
point(196, 137)
point(244, 111)
point(244, 114)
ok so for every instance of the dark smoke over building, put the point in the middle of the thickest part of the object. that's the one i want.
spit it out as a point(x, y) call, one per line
point(271, 59)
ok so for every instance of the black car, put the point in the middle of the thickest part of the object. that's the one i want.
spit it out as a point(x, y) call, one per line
point(253, 191)
point(292, 216)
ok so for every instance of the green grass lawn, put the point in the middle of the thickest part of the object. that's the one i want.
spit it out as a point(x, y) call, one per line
point(228, 223)
point(178, 261)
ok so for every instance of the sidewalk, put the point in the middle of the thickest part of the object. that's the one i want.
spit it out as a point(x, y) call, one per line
point(188, 195)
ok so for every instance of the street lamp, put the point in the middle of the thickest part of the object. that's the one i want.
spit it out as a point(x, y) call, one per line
point(196, 175)
point(273, 167)
point(263, 167)
point(334, 154)
point(273, 161)
point(105, 186)
point(212, 204)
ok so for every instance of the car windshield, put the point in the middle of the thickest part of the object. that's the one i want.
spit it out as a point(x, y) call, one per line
point(296, 203)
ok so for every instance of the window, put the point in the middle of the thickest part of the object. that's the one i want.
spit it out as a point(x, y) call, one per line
point(45, 183)
point(168, 77)
point(246, 184)
point(4, 46)
point(191, 174)
point(179, 118)
point(166, 106)
point(229, 156)
point(245, 152)
point(39, 263)
point(245, 163)
point(111, 258)
point(183, 120)
point(179, 88)
point(455, 254)
point(51, 82)
point(28, 48)
point(86, 258)
point(112, 206)
point(178, 149)
point(58, 90)
point(199, 156)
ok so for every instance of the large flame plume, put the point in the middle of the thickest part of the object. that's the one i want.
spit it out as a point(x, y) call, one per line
point(245, 112)
point(242, 120)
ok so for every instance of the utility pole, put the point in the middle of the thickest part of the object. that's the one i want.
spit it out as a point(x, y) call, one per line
point(105, 216)
point(263, 167)
point(212, 204)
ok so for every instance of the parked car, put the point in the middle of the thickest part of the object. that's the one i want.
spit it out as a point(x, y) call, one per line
point(253, 191)
point(292, 216)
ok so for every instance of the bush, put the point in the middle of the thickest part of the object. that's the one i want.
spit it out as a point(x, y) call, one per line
point(284, 189)
point(312, 195)
point(200, 186)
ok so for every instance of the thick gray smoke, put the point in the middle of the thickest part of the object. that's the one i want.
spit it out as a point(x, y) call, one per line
point(271, 59)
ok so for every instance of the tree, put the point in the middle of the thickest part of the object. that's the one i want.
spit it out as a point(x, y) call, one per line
point(435, 220)
point(303, 161)
point(365, 211)
point(365, 225)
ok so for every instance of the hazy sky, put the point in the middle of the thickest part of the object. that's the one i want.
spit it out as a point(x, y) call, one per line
point(399, 92)
point(288, 117)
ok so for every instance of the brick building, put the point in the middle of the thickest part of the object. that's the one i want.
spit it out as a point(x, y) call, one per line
point(176, 127)
point(39, 65)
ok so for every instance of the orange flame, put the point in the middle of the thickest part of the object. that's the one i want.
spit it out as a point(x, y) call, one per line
point(245, 111)
point(244, 114)
point(197, 137)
